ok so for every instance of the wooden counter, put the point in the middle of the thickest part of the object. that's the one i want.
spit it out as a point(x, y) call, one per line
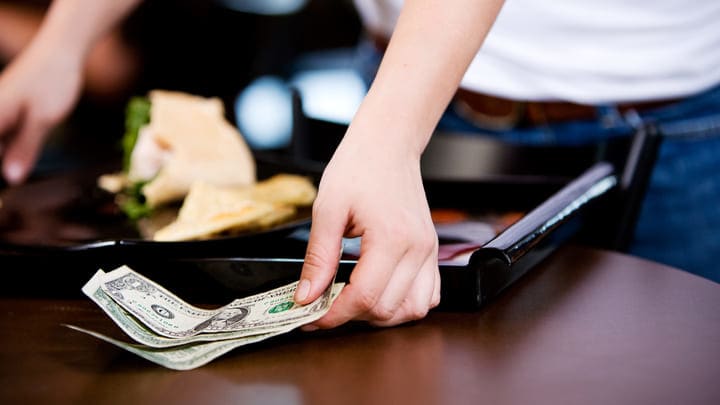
point(585, 327)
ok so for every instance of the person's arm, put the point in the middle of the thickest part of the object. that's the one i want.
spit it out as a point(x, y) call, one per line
point(40, 87)
point(372, 186)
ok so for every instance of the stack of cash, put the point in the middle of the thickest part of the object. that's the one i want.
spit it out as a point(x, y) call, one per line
point(177, 335)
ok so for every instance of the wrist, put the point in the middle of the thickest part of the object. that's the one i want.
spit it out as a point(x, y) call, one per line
point(392, 125)
point(61, 34)
point(374, 141)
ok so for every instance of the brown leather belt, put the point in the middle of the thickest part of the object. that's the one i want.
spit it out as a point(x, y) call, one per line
point(500, 113)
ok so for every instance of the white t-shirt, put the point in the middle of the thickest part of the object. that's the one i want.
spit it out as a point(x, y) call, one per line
point(589, 51)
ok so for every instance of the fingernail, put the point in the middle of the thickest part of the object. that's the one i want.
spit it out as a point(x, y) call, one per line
point(309, 328)
point(303, 290)
point(13, 173)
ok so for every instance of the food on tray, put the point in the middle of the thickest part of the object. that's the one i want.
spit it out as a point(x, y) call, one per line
point(180, 146)
point(174, 139)
point(210, 210)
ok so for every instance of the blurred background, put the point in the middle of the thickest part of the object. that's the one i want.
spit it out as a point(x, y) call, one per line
point(253, 54)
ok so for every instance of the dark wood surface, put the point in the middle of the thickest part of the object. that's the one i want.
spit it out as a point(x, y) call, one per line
point(585, 327)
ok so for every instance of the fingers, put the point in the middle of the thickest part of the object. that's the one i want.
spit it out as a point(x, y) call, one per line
point(21, 151)
point(423, 296)
point(404, 280)
point(323, 253)
point(367, 285)
point(388, 290)
point(37, 90)
point(20, 140)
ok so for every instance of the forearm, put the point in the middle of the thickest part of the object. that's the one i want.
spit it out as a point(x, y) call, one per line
point(431, 47)
point(372, 187)
point(75, 25)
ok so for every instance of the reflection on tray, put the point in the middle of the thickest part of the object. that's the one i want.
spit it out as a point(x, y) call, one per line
point(460, 233)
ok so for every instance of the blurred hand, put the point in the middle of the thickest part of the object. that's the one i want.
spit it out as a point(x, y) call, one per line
point(37, 91)
point(374, 191)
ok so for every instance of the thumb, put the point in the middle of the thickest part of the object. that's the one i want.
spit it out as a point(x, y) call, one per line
point(322, 255)
point(22, 152)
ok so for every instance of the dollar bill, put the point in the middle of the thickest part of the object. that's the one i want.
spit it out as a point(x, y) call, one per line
point(188, 352)
point(169, 316)
point(142, 334)
point(185, 357)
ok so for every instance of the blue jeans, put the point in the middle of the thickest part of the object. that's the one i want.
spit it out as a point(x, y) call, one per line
point(679, 221)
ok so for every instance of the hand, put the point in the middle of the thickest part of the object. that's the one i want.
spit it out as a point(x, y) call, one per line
point(37, 91)
point(375, 192)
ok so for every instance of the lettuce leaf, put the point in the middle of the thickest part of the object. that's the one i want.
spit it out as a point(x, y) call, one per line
point(132, 202)
point(137, 114)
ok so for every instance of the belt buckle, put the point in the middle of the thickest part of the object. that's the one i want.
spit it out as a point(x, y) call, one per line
point(504, 122)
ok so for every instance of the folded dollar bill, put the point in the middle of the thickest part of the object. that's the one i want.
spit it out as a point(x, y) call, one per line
point(185, 357)
point(177, 335)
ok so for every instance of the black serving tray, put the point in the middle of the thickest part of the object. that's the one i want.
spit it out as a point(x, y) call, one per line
point(215, 272)
point(558, 205)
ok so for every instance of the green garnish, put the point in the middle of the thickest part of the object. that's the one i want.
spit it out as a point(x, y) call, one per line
point(132, 202)
point(137, 114)
point(135, 209)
